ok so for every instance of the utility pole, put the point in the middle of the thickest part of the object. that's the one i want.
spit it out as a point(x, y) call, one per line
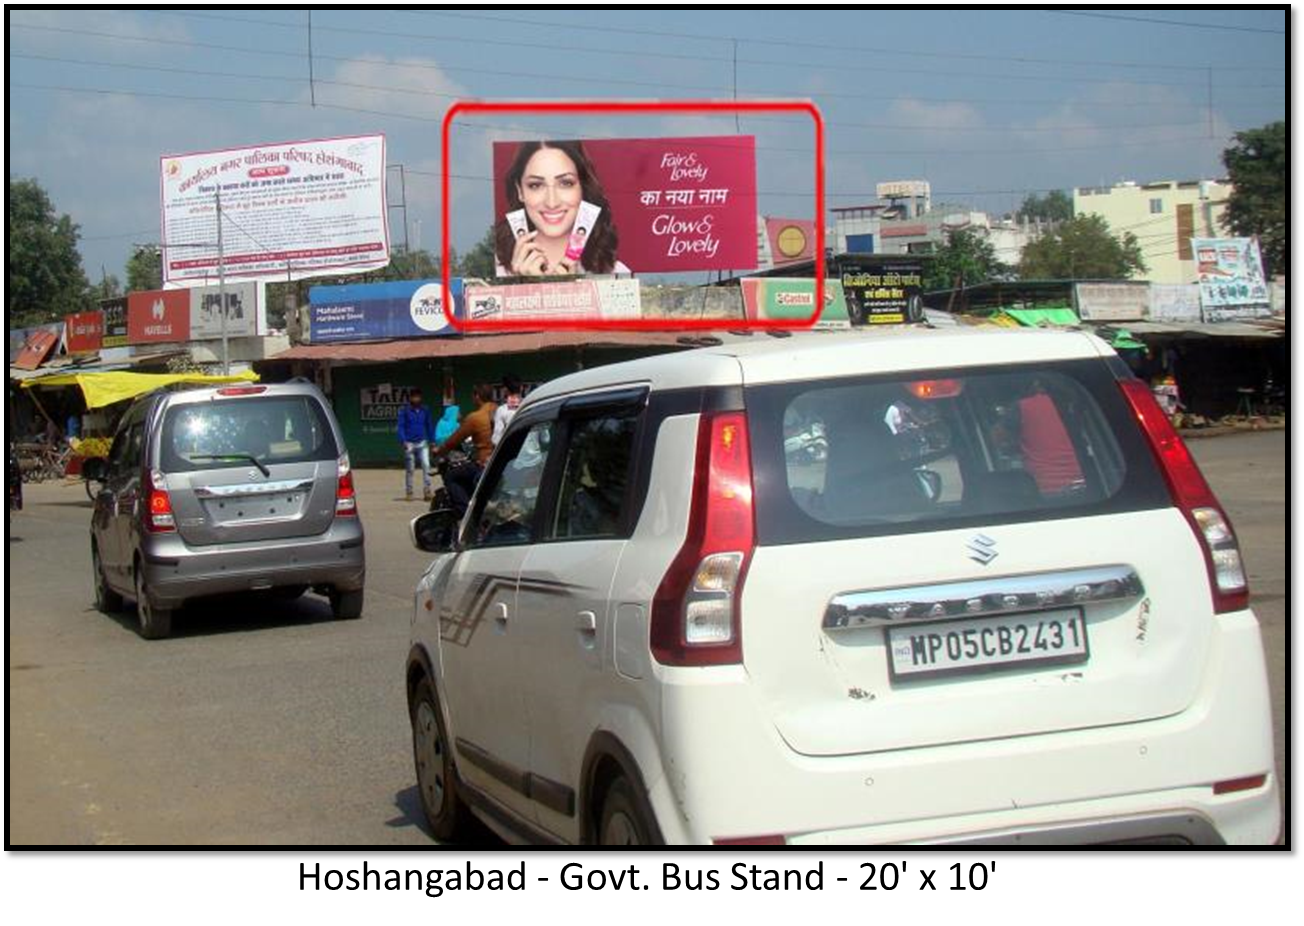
point(221, 286)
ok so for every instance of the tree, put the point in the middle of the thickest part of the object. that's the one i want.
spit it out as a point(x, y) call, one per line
point(1082, 249)
point(145, 269)
point(1055, 206)
point(480, 261)
point(966, 258)
point(1256, 165)
point(45, 278)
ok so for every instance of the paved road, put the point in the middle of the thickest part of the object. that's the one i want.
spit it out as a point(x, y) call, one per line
point(273, 724)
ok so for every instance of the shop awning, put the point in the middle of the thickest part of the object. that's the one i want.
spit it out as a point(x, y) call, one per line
point(100, 389)
point(471, 345)
point(1045, 315)
point(1268, 328)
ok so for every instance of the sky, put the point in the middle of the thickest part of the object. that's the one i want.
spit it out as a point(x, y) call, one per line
point(987, 105)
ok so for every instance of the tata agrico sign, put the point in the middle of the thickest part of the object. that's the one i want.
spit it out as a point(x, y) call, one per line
point(380, 311)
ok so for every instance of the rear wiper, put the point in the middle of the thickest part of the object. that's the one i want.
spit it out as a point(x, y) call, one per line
point(232, 456)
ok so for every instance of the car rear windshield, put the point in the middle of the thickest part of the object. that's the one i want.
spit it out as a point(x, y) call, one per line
point(945, 449)
point(226, 432)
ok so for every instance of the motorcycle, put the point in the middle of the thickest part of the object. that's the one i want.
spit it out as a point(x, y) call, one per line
point(445, 464)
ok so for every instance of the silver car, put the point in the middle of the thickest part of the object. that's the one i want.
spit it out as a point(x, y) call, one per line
point(237, 488)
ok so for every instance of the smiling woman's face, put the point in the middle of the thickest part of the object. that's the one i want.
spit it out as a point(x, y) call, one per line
point(550, 192)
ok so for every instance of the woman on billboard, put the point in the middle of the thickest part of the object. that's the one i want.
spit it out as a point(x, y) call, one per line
point(558, 220)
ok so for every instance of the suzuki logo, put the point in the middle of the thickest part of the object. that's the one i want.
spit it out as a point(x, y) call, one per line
point(982, 549)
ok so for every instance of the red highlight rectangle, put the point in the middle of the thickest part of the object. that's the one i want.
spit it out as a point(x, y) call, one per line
point(632, 107)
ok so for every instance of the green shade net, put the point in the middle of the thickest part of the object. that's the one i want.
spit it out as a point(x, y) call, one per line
point(1046, 315)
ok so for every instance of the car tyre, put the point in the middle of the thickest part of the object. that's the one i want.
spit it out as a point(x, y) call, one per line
point(154, 623)
point(107, 600)
point(446, 814)
point(625, 820)
point(346, 606)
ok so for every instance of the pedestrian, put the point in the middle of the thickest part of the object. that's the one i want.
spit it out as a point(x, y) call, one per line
point(414, 431)
point(512, 386)
point(479, 426)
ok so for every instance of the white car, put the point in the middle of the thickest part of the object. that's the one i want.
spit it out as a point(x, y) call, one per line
point(1018, 616)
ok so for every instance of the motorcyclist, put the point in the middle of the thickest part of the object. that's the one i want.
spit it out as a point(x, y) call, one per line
point(478, 425)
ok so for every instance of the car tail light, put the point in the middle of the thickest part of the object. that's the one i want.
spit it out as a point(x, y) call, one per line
point(1191, 494)
point(1233, 785)
point(158, 506)
point(241, 390)
point(695, 612)
point(346, 498)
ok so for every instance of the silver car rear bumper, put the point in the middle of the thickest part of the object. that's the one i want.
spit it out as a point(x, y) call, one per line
point(177, 572)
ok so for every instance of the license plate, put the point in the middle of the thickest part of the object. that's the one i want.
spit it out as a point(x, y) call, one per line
point(988, 643)
point(244, 509)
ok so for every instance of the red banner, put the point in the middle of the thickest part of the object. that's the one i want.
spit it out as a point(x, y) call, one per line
point(158, 316)
point(84, 331)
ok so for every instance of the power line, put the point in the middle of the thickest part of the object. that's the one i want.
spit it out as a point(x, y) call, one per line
point(494, 72)
point(570, 26)
point(435, 119)
point(1168, 22)
point(280, 78)
point(620, 53)
point(383, 88)
point(857, 49)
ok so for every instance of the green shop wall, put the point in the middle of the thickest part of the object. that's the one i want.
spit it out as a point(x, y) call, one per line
point(373, 441)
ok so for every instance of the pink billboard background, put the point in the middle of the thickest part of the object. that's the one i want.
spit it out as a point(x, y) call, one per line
point(678, 204)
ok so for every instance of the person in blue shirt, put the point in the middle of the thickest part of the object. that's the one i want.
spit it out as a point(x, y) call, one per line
point(414, 431)
point(447, 424)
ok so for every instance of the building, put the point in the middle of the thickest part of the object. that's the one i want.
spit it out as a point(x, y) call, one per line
point(1164, 216)
point(856, 229)
point(925, 233)
point(908, 223)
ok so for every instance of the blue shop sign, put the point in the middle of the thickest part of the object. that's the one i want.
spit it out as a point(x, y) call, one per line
point(376, 311)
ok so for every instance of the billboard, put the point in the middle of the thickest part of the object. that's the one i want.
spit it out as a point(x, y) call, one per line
point(790, 240)
point(158, 316)
point(563, 299)
point(378, 311)
point(1174, 302)
point(206, 312)
point(884, 291)
point(1230, 275)
point(84, 332)
point(1112, 302)
point(902, 189)
point(792, 300)
point(625, 205)
point(115, 322)
point(309, 208)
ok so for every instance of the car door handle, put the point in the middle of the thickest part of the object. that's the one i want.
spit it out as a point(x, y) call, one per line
point(500, 617)
point(586, 625)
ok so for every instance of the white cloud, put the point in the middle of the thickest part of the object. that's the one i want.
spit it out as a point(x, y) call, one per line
point(921, 114)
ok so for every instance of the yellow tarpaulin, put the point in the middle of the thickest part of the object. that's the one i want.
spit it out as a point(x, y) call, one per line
point(100, 389)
